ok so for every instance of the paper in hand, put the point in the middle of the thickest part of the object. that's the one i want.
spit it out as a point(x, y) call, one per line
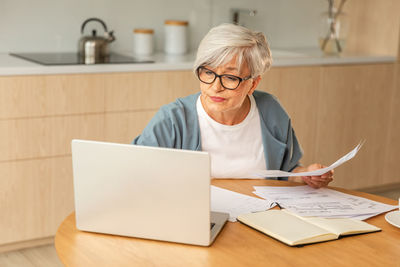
point(278, 173)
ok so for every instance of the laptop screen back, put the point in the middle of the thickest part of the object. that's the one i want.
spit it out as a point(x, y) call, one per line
point(138, 191)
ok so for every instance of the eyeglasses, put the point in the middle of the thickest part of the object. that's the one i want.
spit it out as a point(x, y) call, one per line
point(230, 82)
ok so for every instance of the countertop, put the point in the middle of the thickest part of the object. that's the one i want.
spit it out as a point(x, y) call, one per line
point(10, 65)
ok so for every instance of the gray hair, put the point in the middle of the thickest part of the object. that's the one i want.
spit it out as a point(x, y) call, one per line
point(225, 41)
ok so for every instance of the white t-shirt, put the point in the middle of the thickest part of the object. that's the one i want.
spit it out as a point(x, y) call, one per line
point(236, 150)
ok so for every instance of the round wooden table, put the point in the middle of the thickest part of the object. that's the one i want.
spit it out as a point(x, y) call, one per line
point(236, 245)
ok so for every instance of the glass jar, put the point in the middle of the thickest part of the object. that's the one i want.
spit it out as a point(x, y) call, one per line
point(333, 32)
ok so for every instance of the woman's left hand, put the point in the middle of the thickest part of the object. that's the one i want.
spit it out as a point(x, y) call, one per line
point(317, 181)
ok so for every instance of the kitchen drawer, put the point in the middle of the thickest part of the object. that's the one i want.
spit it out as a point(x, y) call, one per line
point(147, 90)
point(46, 137)
point(123, 127)
point(49, 95)
point(354, 104)
point(35, 197)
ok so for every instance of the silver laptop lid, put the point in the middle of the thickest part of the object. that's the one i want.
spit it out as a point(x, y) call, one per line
point(138, 191)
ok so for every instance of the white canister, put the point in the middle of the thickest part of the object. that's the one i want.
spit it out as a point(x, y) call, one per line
point(143, 42)
point(176, 37)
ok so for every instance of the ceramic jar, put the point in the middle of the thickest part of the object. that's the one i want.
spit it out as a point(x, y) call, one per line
point(176, 37)
point(143, 42)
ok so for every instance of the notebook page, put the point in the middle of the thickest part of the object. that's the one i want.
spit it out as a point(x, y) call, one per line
point(285, 227)
point(343, 226)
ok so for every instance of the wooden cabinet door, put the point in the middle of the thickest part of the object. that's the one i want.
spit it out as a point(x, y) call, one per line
point(354, 105)
point(40, 115)
point(297, 89)
point(390, 170)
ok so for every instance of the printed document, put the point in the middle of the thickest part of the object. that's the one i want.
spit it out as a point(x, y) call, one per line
point(278, 173)
point(322, 202)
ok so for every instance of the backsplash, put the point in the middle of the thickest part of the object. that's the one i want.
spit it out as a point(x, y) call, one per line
point(54, 26)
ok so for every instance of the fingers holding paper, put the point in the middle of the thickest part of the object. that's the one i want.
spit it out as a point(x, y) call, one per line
point(316, 181)
point(315, 175)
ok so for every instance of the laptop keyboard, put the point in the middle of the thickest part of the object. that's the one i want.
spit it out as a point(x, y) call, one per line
point(212, 225)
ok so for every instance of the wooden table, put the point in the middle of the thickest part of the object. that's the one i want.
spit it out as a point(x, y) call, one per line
point(236, 245)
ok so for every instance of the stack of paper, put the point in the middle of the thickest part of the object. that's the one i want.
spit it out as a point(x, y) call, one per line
point(227, 201)
point(235, 204)
point(323, 202)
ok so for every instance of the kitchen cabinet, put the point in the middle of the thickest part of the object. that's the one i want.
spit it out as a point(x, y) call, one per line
point(41, 114)
point(373, 26)
point(35, 196)
point(332, 108)
point(354, 104)
point(131, 99)
point(390, 173)
point(297, 89)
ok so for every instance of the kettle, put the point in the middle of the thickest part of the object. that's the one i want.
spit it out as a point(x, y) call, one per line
point(93, 48)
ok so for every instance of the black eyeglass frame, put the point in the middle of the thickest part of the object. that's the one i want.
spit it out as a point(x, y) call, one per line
point(219, 76)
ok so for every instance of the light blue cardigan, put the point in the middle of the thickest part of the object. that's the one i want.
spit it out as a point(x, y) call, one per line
point(176, 125)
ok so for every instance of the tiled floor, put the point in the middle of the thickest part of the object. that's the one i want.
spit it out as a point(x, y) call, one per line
point(46, 256)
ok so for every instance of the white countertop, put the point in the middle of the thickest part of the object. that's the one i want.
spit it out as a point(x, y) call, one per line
point(10, 65)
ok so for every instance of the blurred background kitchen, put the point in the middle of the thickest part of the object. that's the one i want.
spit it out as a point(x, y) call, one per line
point(53, 26)
point(334, 100)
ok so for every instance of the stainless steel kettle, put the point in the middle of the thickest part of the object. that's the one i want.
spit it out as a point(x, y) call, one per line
point(93, 48)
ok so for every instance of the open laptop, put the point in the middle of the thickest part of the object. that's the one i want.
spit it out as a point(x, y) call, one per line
point(145, 192)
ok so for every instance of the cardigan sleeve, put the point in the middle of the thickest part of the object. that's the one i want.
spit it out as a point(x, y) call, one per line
point(293, 151)
point(159, 132)
point(281, 147)
point(174, 126)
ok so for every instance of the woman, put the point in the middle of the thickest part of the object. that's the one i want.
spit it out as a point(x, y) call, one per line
point(242, 129)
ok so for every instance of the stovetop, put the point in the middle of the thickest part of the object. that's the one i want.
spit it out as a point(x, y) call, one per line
point(75, 59)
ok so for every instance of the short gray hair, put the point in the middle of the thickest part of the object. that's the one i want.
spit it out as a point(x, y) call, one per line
point(225, 41)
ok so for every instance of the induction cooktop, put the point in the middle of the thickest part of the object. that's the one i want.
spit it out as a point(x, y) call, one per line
point(75, 59)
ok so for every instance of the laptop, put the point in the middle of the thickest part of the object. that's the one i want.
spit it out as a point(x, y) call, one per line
point(145, 192)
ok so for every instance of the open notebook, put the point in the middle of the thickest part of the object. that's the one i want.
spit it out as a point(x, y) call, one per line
point(294, 230)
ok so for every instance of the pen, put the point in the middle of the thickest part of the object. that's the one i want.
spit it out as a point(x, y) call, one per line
point(279, 206)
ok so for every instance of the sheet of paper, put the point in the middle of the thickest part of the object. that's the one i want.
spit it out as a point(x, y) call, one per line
point(223, 200)
point(363, 217)
point(323, 202)
point(278, 173)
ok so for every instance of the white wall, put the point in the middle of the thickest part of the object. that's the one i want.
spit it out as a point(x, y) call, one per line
point(54, 25)
point(287, 23)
